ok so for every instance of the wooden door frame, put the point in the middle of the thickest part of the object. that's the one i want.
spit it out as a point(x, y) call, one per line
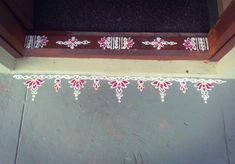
point(14, 37)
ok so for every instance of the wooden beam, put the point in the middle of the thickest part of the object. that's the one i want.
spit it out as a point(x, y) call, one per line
point(23, 10)
point(222, 33)
point(11, 31)
point(160, 46)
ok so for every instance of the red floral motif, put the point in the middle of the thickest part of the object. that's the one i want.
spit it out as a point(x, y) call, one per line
point(103, 42)
point(204, 87)
point(77, 85)
point(183, 86)
point(96, 84)
point(189, 45)
point(162, 86)
point(128, 43)
point(33, 85)
point(196, 44)
point(118, 85)
point(140, 85)
point(57, 84)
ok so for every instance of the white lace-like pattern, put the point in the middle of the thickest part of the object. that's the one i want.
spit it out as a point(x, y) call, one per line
point(119, 84)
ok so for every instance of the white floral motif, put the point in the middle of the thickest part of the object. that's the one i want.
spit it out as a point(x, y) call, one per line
point(159, 43)
point(73, 42)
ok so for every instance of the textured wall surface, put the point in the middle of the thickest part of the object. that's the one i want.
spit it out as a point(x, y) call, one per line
point(96, 129)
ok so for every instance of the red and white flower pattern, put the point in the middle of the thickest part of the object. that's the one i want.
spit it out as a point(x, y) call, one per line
point(162, 86)
point(33, 85)
point(204, 86)
point(35, 41)
point(183, 86)
point(140, 86)
point(119, 43)
point(189, 45)
point(77, 85)
point(159, 43)
point(196, 44)
point(96, 84)
point(41, 41)
point(118, 85)
point(77, 82)
point(57, 84)
point(73, 42)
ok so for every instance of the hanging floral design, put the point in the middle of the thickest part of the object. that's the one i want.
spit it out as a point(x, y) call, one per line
point(159, 43)
point(77, 82)
point(57, 84)
point(33, 85)
point(183, 86)
point(73, 42)
point(118, 85)
point(77, 85)
point(162, 86)
point(140, 86)
point(204, 87)
point(96, 84)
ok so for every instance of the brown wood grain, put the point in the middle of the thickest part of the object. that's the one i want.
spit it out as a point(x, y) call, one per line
point(138, 51)
point(222, 32)
point(23, 10)
point(11, 30)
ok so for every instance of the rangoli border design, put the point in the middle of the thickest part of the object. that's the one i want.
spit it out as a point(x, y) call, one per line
point(159, 43)
point(118, 83)
point(116, 43)
point(196, 44)
point(35, 41)
point(73, 42)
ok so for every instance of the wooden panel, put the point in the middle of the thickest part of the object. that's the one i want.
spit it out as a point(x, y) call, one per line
point(11, 30)
point(23, 10)
point(167, 46)
point(223, 51)
point(222, 32)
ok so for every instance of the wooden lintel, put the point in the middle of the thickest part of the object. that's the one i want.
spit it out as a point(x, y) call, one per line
point(171, 46)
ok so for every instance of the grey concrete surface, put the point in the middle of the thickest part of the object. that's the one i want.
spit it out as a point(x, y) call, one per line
point(12, 96)
point(96, 129)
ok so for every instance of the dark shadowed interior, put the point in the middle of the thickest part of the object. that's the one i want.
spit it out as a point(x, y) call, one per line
point(123, 15)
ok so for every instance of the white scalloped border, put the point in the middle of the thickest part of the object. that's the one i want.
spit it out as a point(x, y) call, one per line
point(162, 84)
